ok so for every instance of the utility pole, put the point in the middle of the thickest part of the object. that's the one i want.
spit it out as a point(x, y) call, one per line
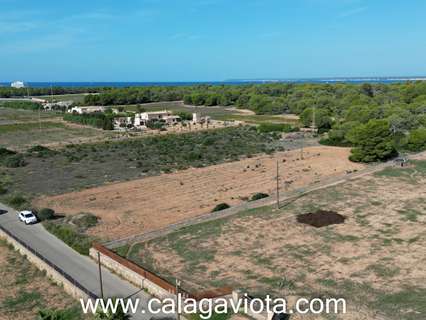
point(278, 186)
point(100, 276)
point(39, 116)
point(177, 298)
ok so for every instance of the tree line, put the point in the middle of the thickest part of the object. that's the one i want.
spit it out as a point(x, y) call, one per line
point(9, 92)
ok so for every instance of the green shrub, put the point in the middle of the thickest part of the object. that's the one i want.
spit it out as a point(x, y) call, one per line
point(275, 127)
point(40, 151)
point(417, 140)
point(3, 189)
point(85, 220)
point(259, 196)
point(16, 201)
point(46, 214)
point(220, 207)
point(98, 120)
point(55, 314)
point(27, 105)
point(14, 161)
point(79, 242)
point(6, 152)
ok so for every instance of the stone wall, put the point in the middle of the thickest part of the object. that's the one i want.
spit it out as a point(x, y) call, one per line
point(133, 276)
point(59, 278)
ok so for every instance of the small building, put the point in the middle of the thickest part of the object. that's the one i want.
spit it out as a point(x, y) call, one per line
point(171, 120)
point(122, 123)
point(142, 119)
point(38, 100)
point(86, 110)
point(18, 84)
point(154, 115)
point(60, 105)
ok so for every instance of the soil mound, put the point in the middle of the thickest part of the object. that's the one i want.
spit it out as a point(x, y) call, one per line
point(321, 218)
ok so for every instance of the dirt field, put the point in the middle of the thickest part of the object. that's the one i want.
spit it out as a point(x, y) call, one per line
point(375, 259)
point(150, 203)
point(24, 290)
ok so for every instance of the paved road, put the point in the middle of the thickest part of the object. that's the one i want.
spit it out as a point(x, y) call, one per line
point(81, 268)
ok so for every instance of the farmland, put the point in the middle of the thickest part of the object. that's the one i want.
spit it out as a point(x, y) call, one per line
point(151, 203)
point(375, 259)
point(25, 290)
point(21, 136)
point(10, 116)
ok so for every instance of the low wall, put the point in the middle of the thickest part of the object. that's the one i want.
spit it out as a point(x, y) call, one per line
point(145, 279)
point(132, 272)
point(72, 287)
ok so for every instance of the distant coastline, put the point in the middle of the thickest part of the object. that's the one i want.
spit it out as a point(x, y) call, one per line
point(119, 84)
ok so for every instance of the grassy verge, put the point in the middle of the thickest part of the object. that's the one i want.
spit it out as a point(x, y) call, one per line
point(25, 290)
point(70, 235)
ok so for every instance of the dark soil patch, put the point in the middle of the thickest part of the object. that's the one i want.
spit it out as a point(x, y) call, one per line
point(321, 218)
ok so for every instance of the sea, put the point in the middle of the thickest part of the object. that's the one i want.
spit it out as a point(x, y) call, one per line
point(120, 84)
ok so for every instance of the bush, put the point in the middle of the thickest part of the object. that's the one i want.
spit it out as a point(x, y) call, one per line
point(220, 207)
point(417, 140)
point(79, 242)
point(259, 196)
point(98, 120)
point(14, 161)
point(275, 127)
point(3, 189)
point(16, 201)
point(85, 220)
point(40, 151)
point(27, 105)
point(60, 314)
point(6, 152)
point(46, 214)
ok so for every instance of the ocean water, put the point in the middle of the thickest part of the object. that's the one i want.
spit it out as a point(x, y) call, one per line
point(227, 82)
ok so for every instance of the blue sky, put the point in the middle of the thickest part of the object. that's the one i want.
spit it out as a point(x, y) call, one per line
point(205, 40)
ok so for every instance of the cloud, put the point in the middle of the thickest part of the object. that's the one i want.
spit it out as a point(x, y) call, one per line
point(352, 12)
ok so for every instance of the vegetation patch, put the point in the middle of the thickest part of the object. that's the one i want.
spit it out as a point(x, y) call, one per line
point(25, 290)
point(70, 235)
point(220, 207)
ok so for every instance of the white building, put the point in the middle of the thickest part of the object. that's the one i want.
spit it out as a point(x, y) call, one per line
point(18, 84)
point(141, 119)
point(122, 123)
point(61, 105)
point(154, 115)
point(86, 110)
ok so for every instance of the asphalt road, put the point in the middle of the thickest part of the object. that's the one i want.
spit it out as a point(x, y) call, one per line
point(81, 268)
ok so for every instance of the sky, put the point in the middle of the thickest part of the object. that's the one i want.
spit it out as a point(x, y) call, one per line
point(210, 40)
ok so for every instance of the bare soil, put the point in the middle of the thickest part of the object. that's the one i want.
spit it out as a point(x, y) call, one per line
point(321, 218)
point(151, 203)
point(376, 259)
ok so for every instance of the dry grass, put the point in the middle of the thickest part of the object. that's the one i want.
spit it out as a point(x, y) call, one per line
point(150, 203)
point(24, 289)
point(376, 259)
